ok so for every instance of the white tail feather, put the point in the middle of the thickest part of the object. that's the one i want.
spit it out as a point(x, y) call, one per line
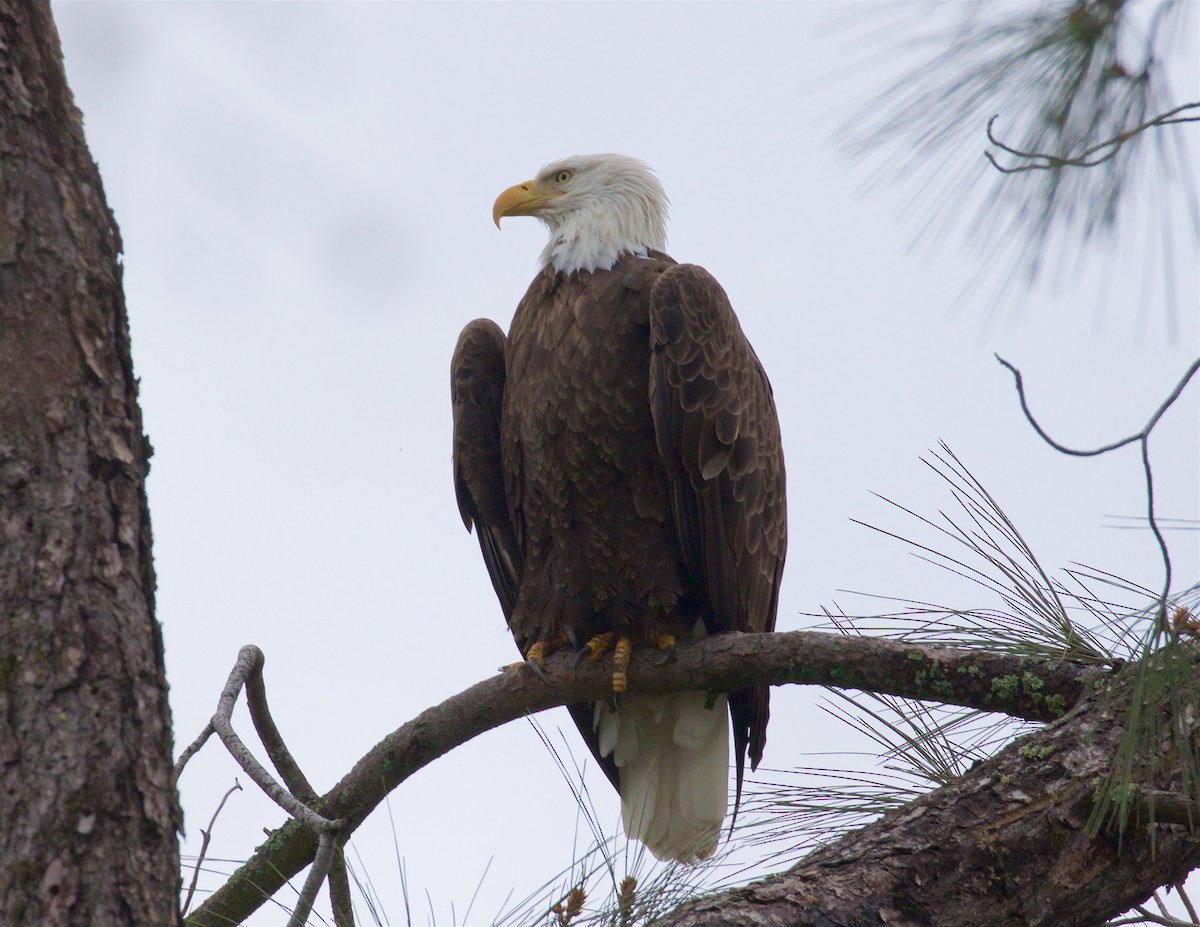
point(673, 757)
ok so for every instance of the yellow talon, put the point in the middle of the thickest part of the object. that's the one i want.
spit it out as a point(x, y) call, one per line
point(535, 657)
point(621, 654)
point(665, 641)
point(597, 646)
point(537, 653)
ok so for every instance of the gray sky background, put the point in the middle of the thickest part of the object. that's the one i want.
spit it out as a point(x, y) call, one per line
point(304, 192)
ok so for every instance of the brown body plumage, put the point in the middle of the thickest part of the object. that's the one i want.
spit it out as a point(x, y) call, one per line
point(619, 457)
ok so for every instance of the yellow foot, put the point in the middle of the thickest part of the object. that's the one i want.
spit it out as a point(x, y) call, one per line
point(535, 657)
point(621, 654)
point(594, 649)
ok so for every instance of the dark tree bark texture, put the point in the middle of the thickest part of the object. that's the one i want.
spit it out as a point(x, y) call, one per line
point(88, 813)
point(1005, 845)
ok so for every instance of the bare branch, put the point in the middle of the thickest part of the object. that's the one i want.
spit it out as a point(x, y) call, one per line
point(339, 892)
point(1033, 689)
point(1166, 678)
point(249, 662)
point(272, 740)
point(1145, 916)
point(207, 835)
point(316, 878)
point(1187, 902)
point(1141, 437)
point(1044, 161)
point(247, 673)
point(192, 749)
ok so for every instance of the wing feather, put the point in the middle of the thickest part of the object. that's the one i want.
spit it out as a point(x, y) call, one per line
point(477, 380)
point(718, 436)
point(476, 391)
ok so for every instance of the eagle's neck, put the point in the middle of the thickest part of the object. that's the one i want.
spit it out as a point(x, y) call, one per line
point(595, 235)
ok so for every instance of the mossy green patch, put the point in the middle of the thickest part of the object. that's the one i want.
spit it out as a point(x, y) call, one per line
point(1006, 688)
point(1034, 752)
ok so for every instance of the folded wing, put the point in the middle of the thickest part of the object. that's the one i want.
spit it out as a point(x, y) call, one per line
point(718, 436)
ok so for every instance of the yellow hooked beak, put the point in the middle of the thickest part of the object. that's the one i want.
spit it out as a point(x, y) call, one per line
point(524, 199)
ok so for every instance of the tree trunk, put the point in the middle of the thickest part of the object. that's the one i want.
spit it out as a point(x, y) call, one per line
point(88, 812)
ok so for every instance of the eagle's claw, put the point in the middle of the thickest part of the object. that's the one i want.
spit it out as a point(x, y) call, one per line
point(536, 657)
point(594, 649)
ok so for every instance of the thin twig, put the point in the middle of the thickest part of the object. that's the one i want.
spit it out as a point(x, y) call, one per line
point(1145, 916)
point(1126, 921)
point(1140, 437)
point(192, 749)
point(207, 835)
point(1187, 902)
point(1166, 917)
point(1043, 161)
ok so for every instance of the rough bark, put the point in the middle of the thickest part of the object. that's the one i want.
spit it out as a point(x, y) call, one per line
point(1004, 845)
point(88, 813)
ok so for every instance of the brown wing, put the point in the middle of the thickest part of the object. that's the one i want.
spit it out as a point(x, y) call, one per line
point(476, 391)
point(477, 377)
point(718, 435)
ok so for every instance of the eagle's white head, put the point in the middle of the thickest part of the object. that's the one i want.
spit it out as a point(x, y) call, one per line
point(597, 208)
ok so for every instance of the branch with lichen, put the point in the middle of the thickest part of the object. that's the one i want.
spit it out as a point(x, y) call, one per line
point(1039, 690)
point(296, 797)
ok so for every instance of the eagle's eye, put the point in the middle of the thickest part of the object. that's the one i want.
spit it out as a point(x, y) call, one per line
point(562, 176)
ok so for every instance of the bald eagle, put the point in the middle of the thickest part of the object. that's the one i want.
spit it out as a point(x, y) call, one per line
point(618, 455)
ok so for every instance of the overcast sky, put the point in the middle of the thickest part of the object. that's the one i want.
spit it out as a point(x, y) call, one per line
point(305, 192)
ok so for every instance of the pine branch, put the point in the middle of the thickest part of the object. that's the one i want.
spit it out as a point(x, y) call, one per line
point(1032, 689)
